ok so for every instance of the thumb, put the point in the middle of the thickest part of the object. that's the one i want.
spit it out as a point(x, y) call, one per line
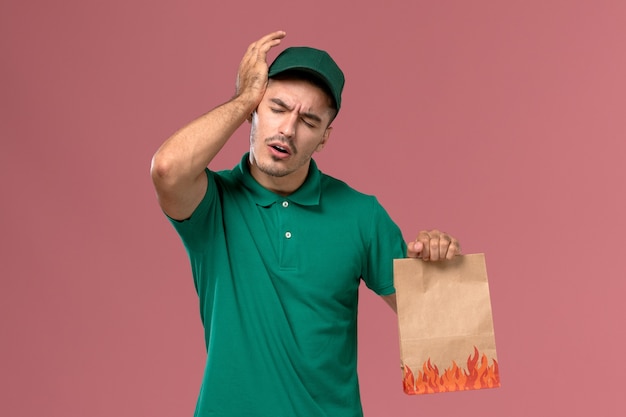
point(414, 249)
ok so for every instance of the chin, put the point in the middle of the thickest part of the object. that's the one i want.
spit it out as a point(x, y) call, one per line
point(273, 170)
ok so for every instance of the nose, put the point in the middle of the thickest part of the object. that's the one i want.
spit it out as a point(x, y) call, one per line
point(288, 125)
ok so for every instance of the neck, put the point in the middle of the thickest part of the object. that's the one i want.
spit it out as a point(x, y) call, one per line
point(284, 185)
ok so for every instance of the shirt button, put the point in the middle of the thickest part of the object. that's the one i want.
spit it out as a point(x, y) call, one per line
point(285, 203)
point(288, 235)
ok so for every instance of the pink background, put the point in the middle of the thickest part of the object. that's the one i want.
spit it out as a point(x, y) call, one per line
point(501, 122)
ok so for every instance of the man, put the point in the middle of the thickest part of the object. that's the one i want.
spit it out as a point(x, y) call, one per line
point(277, 248)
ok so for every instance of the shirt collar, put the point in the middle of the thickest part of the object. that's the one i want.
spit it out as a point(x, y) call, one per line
point(307, 195)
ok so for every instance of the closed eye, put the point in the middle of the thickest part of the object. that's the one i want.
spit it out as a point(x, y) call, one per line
point(309, 124)
point(311, 119)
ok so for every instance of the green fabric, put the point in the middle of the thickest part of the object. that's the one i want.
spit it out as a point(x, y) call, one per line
point(280, 313)
point(314, 61)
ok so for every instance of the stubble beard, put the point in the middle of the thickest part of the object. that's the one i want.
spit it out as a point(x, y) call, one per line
point(272, 169)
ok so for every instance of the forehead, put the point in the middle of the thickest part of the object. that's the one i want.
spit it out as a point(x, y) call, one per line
point(297, 92)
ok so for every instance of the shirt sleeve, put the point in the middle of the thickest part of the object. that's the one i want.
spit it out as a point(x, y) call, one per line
point(386, 244)
point(193, 231)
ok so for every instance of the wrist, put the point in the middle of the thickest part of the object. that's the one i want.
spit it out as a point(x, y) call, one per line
point(246, 103)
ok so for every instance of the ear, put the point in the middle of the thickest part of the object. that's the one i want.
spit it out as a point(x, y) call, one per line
point(325, 137)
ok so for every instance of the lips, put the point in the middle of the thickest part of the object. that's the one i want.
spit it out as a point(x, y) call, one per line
point(279, 149)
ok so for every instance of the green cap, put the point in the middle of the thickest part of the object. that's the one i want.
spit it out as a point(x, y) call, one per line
point(314, 61)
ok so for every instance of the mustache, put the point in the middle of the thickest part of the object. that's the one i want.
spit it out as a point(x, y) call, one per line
point(284, 140)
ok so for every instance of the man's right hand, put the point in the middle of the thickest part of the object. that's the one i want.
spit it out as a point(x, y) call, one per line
point(178, 165)
point(252, 76)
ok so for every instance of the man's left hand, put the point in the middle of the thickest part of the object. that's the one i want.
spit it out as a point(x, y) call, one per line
point(433, 245)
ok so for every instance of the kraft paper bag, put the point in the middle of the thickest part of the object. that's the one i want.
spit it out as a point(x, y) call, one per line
point(447, 341)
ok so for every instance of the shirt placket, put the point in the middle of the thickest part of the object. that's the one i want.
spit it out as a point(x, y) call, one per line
point(287, 235)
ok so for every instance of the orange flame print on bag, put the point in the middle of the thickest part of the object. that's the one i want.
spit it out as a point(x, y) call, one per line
point(429, 380)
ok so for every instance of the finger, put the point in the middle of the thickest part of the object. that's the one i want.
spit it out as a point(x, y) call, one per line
point(454, 249)
point(414, 249)
point(257, 51)
point(434, 247)
point(274, 36)
point(424, 238)
point(252, 73)
point(444, 245)
point(266, 43)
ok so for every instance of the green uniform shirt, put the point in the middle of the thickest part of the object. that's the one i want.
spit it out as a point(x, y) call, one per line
point(277, 279)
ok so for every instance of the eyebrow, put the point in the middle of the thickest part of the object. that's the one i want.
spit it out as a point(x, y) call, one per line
point(308, 115)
